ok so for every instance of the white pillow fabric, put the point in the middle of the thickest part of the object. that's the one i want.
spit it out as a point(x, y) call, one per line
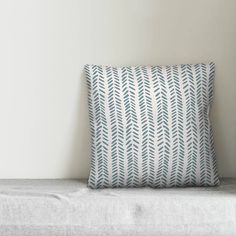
point(150, 126)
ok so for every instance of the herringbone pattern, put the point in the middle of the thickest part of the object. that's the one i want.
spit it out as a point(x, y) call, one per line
point(150, 126)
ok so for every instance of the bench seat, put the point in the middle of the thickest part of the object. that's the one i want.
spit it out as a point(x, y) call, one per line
point(69, 208)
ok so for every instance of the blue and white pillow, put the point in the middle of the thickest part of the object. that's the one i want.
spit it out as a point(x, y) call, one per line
point(150, 126)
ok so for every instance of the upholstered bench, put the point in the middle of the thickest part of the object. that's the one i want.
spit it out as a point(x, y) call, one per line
point(68, 208)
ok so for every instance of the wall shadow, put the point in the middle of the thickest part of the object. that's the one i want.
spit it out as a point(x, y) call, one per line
point(79, 153)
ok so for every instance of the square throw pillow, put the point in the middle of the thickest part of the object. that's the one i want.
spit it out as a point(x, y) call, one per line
point(150, 126)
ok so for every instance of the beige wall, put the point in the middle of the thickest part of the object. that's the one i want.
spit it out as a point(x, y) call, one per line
point(44, 122)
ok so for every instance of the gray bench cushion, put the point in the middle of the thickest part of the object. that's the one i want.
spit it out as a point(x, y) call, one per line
point(68, 208)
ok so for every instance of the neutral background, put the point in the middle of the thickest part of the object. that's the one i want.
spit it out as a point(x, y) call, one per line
point(45, 44)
